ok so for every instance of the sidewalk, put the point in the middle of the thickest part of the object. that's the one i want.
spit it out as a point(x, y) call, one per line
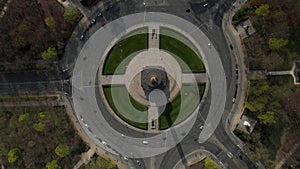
point(234, 38)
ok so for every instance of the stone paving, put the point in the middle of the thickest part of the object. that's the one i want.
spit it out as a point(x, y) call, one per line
point(153, 36)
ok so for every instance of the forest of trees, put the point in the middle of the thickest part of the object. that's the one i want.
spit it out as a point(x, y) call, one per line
point(38, 138)
point(272, 101)
point(275, 44)
point(31, 29)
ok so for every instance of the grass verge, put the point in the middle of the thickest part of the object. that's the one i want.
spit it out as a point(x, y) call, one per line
point(122, 50)
point(130, 110)
point(182, 106)
point(182, 51)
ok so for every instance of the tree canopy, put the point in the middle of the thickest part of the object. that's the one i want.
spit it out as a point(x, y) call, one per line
point(72, 15)
point(53, 165)
point(210, 164)
point(266, 118)
point(13, 155)
point(19, 41)
point(99, 162)
point(50, 54)
point(262, 10)
point(277, 43)
point(25, 27)
point(23, 117)
point(40, 127)
point(50, 22)
point(62, 150)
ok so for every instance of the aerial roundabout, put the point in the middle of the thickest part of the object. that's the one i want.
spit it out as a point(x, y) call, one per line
point(140, 81)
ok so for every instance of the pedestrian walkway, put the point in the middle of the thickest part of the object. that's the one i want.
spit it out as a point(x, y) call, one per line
point(190, 77)
point(152, 118)
point(288, 155)
point(153, 36)
point(85, 157)
point(275, 73)
point(35, 103)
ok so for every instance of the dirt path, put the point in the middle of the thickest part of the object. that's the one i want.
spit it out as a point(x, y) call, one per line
point(288, 155)
point(85, 157)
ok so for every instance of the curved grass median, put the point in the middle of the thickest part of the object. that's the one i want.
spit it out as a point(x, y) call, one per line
point(122, 50)
point(131, 115)
point(184, 52)
point(182, 106)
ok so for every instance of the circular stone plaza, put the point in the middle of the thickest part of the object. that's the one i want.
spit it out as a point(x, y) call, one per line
point(140, 81)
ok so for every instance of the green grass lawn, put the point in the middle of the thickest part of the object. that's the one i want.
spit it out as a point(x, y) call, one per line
point(184, 52)
point(180, 108)
point(122, 50)
point(132, 115)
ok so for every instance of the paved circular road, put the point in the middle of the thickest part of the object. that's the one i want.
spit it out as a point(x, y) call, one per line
point(84, 96)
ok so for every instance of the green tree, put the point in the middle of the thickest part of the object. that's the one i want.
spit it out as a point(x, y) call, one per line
point(275, 105)
point(99, 162)
point(72, 15)
point(13, 155)
point(210, 164)
point(259, 87)
point(262, 10)
point(102, 163)
point(50, 22)
point(39, 127)
point(257, 105)
point(19, 42)
point(50, 54)
point(266, 118)
point(43, 114)
point(25, 27)
point(53, 165)
point(62, 150)
point(277, 43)
point(23, 117)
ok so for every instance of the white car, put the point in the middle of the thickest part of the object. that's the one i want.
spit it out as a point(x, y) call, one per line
point(229, 154)
point(145, 142)
point(125, 158)
point(201, 127)
point(205, 5)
